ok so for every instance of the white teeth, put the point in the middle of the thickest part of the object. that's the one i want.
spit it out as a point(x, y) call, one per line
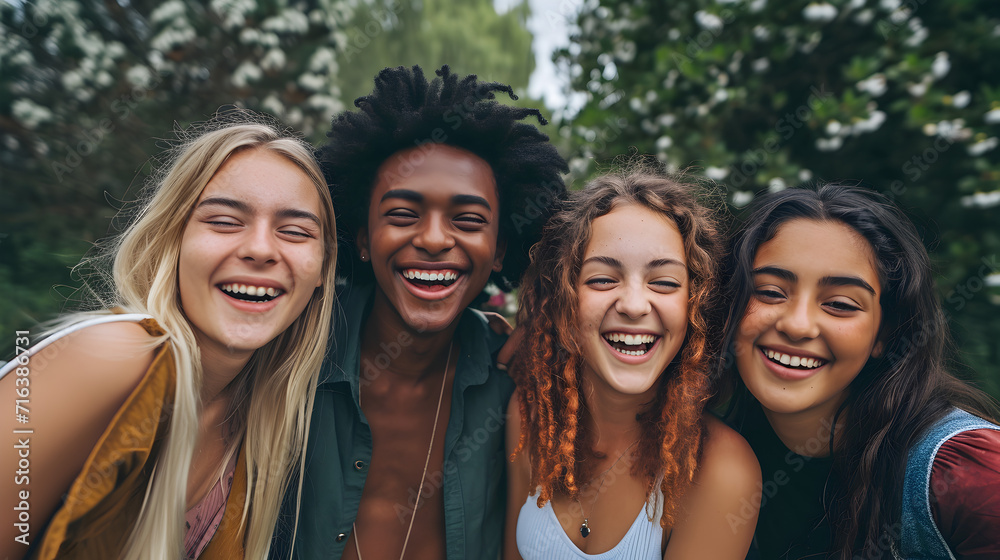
point(793, 361)
point(630, 339)
point(258, 291)
point(412, 274)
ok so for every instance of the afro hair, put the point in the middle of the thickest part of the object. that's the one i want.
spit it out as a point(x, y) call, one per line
point(405, 111)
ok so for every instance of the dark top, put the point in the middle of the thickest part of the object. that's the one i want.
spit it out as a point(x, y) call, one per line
point(340, 444)
point(965, 495)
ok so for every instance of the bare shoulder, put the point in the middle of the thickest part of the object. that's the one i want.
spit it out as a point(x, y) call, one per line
point(727, 462)
point(115, 354)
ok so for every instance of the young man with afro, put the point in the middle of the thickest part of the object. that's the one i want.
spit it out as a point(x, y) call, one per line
point(438, 189)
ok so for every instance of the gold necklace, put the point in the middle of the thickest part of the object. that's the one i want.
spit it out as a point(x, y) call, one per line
point(427, 461)
point(585, 526)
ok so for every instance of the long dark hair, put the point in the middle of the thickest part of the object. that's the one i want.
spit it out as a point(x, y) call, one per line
point(896, 396)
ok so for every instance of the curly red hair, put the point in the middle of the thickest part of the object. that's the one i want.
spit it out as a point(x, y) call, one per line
point(549, 360)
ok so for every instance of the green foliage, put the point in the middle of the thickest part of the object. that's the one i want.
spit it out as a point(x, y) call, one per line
point(757, 94)
point(87, 87)
point(468, 35)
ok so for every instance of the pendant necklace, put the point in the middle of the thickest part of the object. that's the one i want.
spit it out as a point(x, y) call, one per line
point(427, 461)
point(585, 526)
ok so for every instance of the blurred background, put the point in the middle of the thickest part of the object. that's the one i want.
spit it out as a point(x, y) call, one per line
point(758, 95)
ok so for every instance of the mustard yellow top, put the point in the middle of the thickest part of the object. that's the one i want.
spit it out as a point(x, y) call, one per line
point(98, 513)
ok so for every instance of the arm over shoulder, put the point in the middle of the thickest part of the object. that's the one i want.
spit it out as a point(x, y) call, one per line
point(720, 509)
point(75, 386)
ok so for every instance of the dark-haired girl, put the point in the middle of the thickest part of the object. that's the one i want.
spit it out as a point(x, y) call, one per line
point(868, 447)
point(613, 454)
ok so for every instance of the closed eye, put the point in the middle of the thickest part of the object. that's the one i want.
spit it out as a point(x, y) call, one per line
point(842, 306)
point(769, 295)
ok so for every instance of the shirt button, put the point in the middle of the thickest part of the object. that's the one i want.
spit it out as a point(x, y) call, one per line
point(359, 465)
point(341, 537)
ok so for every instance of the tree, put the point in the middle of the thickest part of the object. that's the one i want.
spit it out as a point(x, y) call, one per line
point(903, 94)
point(86, 88)
point(469, 35)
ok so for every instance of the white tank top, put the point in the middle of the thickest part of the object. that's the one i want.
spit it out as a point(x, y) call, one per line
point(540, 536)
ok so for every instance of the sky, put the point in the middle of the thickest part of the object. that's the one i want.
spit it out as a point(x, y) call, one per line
point(550, 23)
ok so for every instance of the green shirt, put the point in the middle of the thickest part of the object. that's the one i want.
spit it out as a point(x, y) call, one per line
point(340, 444)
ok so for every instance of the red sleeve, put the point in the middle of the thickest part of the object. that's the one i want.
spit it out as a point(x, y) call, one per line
point(965, 494)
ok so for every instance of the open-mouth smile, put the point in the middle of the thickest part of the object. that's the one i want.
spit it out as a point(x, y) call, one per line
point(430, 280)
point(631, 344)
point(792, 361)
point(253, 294)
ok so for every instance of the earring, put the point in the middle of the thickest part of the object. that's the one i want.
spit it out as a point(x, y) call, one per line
point(364, 258)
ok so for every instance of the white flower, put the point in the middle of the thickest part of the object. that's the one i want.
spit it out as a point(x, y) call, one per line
point(721, 95)
point(666, 120)
point(245, 74)
point(889, 5)
point(871, 124)
point(757, 5)
point(982, 200)
point(805, 175)
point(875, 84)
point(716, 173)
point(742, 198)
point(819, 11)
point(272, 105)
point(920, 33)
point(918, 90)
point(855, 4)
point(980, 148)
point(761, 33)
point(776, 185)
point(663, 143)
point(930, 129)
point(708, 21)
point(312, 82)
point(829, 144)
point(833, 127)
point(760, 65)
point(29, 113)
point(961, 99)
point(167, 12)
point(139, 76)
point(273, 60)
point(992, 117)
point(941, 65)
point(864, 17)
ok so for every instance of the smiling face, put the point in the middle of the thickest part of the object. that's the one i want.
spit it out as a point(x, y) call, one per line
point(433, 226)
point(252, 252)
point(813, 319)
point(633, 299)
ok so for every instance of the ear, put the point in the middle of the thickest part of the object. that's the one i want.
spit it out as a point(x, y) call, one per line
point(878, 349)
point(361, 241)
point(501, 251)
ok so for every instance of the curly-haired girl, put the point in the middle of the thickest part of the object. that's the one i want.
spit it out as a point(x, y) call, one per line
point(612, 449)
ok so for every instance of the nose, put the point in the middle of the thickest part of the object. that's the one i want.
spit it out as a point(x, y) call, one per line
point(434, 235)
point(798, 321)
point(633, 301)
point(258, 246)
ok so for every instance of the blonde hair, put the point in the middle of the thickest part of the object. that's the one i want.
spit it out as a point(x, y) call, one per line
point(273, 395)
